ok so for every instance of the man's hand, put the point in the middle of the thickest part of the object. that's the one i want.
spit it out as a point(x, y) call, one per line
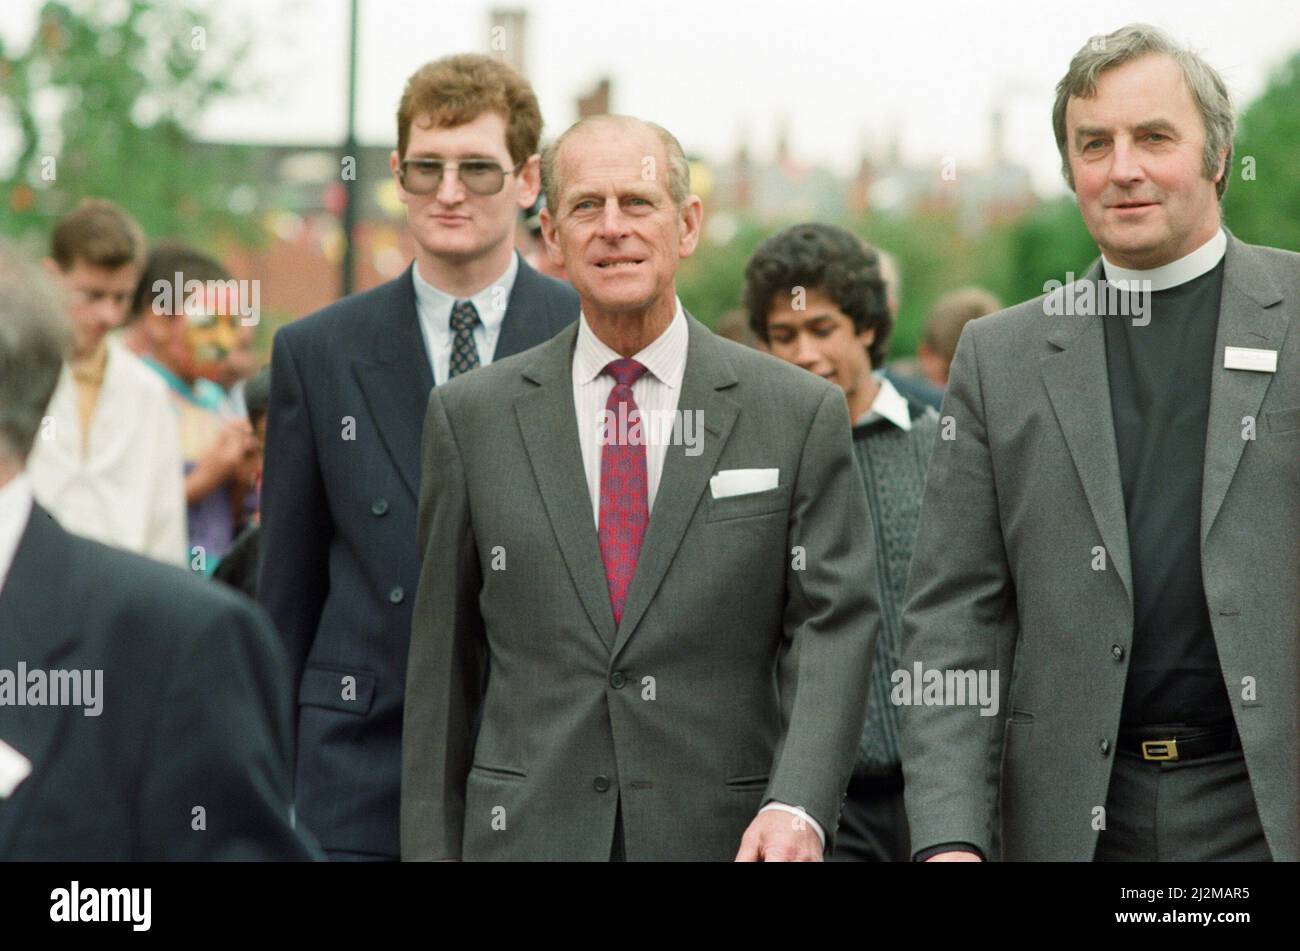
point(248, 473)
point(776, 836)
point(234, 444)
point(955, 857)
point(232, 448)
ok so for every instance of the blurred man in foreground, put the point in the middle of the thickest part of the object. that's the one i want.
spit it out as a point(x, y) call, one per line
point(145, 715)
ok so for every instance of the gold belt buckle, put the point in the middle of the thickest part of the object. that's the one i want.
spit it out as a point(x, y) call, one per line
point(1159, 749)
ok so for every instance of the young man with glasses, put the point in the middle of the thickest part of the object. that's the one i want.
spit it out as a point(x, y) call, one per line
point(349, 390)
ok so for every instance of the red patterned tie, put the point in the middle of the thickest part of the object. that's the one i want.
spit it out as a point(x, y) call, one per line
point(624, 489)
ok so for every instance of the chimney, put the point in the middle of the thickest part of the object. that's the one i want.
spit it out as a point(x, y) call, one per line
point(744, 176)
point(507, 36)
point(783, 142)
point(595, 103)
point(997, 136)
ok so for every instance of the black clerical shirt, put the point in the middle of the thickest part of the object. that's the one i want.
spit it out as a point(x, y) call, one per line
point(1160, 402)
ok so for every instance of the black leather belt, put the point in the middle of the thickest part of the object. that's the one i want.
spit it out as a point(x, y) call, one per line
point(1168, 743)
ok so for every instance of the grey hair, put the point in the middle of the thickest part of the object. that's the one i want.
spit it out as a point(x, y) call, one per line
point(34, 339)
point(1208, 90)
point(679, 170)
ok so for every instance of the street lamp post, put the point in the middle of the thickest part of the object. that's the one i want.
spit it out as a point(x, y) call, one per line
point(351, 191)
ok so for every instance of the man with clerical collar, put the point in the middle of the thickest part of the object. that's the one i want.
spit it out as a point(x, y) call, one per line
point(1111, 515)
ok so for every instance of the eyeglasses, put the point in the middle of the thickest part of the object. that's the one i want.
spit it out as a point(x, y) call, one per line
point(423, 176)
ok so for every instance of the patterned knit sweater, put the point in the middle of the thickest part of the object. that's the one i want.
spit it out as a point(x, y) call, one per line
point(892, 463)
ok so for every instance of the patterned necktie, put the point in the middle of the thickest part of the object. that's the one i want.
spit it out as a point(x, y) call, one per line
point(624, 488)
point(464, 355)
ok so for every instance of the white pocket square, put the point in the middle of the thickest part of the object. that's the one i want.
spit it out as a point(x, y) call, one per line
point(731, 482)
point(14, 768)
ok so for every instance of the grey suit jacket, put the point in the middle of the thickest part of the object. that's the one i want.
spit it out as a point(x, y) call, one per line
point(739, 671)
point(1002, 575)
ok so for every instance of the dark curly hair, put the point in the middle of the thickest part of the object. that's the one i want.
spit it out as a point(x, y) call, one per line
point(822, 258)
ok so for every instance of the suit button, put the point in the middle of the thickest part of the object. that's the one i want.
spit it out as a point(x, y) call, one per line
point(379, 507)
point(397, 595)
point(601, 784)
point(1117, 652)
point(617, 680)
point(1104, 746)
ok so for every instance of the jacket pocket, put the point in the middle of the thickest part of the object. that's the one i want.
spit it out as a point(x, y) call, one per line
point(498, 772)
point(755, 503)
point(1283, 421)
point(749, 783)
point(334, 688)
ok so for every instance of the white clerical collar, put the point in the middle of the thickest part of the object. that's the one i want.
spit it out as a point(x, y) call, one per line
point(1189, 266)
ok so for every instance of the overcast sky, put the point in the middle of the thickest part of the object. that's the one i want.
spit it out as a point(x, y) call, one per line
point(840, 74)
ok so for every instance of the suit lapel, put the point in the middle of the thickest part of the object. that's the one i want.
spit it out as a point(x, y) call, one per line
point(1248, 317)
point(36, 629)
point(1079, 388)
point(684, 477)
point(523, 325)
point(396, 379)
point(548, 423)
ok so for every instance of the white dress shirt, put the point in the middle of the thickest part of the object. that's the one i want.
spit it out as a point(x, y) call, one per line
point(128, 488)
point(15, 510)
point(656, 393)
point(434, 305)
point(1189, 266)
point(889, 404)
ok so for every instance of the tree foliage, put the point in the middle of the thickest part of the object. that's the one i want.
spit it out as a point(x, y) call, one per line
point(105, 97)
point(1262, 204)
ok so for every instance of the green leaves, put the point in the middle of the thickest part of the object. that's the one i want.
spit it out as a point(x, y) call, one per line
point(1262, 204)
point(113, 93)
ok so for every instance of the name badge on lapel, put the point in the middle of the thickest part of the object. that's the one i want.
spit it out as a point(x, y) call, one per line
point(1248, 358)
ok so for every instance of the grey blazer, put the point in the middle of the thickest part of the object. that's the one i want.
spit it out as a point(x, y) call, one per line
point(738, 674)
point(1002, 576)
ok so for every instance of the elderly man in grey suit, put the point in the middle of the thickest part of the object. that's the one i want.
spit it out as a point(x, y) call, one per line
point(664, 637)
point(1110, 518)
